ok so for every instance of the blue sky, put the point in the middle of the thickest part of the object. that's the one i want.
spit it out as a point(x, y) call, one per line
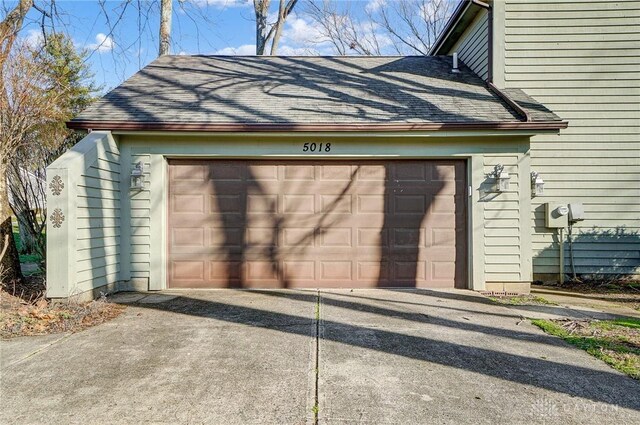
point(118, 48)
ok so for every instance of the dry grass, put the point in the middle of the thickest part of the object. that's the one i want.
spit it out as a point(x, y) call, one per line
point(521, 300)
point(616, 342)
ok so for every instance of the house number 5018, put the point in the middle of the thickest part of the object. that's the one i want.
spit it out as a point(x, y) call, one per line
point(316, 147)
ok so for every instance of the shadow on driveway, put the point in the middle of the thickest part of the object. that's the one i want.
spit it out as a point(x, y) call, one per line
point(571, 379)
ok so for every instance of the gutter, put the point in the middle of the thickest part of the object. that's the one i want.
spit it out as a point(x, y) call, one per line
point(481, 3)
point(318, 127)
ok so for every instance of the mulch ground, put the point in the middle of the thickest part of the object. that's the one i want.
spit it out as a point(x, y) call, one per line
point(25, 311)
point(625, 293)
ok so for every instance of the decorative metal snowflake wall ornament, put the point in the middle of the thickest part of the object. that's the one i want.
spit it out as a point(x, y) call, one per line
point(56, 185)
point(57, 218)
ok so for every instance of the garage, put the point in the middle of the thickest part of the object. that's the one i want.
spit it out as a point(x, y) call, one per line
point(308, 224)
point(297, 172)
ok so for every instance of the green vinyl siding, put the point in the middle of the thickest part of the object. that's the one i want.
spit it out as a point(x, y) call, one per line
point(502, 241)
point(472, 48)
point(84, 240)
point(98, 222)
point(581, 60)
point(140, 219)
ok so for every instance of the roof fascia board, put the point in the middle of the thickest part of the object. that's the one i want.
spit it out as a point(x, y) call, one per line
point(384, 128)
point(350, 135)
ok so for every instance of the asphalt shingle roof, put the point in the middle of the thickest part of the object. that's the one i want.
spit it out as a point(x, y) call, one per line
point(305, 90)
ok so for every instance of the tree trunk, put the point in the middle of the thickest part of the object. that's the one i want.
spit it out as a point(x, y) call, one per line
point(165, 27)
point(10, 262)
point(262, 9)
point(10, 26)
point(27, 241)
point(278, 29)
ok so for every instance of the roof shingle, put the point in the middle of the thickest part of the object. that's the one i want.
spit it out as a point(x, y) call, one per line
point(304, 90)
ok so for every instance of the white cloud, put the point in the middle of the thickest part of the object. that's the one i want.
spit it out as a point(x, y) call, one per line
point(428, 11)
point(34, 38)
point(306, 37)
point(299, 31)
point(374, 5)
point(284, 50)
point(244, 50)
point(104, 43)
point(371, 37)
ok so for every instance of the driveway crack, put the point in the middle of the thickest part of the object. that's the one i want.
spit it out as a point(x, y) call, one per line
point(39, 350)
point(317, 360)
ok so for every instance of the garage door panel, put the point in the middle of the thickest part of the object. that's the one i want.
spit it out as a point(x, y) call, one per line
point(370, 203)
point(407, 238)
point(440, 220)
point(408, 271)
point(224, 203)
point(371, 172)
point(336, 203)
point(446, 172)
point(227, 172)
point(336, 270)
point(372, 236)
point(262, 203)
point(299, 204)
point(299, 270)
point(372, 271)
point(299, 172)
point(230, 237)
point(335, 173)
point(316, 224)
point(332, 237)
point(444, 237)
point(188, 171)
point(261, 236)
point(187, 236)
point(188, 203)
point(292, 237)
point(410, 204)
point(222, 270)
point(188, 270)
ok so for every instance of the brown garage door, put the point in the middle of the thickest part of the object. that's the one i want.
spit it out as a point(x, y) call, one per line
point(265, 224)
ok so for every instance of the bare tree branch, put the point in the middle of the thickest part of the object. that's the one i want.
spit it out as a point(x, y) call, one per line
point(283, 14)
point(402, 26)
point(270, 32)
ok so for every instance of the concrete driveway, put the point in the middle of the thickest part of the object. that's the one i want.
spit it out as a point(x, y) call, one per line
point(277, 357)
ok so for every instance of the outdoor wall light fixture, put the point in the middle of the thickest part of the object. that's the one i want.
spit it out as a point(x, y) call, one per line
point(501, 178)
point(537, 184)
point(137, 177)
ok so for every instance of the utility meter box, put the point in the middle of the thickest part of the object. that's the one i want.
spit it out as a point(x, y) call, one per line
point(576, 212)
point(556, 216)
